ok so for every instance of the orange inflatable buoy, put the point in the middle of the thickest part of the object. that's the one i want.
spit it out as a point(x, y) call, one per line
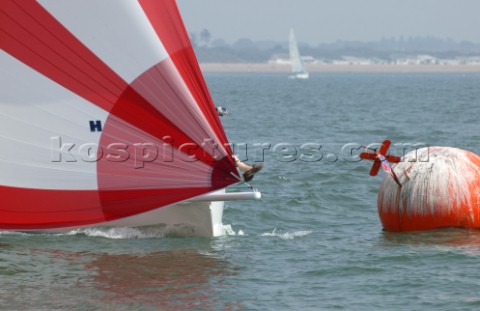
point(440, 187)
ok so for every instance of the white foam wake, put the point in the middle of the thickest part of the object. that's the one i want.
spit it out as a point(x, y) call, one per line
point(128, 232)
point(121, 233)
point(287, 235)
point(227, 230)
point(146, 232)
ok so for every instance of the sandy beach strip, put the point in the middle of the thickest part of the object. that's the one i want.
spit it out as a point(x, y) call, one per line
point(275, 68)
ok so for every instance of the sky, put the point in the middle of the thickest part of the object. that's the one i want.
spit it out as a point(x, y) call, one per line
point(326, 21)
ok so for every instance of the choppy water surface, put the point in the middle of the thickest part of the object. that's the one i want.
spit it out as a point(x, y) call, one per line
point(314, 242)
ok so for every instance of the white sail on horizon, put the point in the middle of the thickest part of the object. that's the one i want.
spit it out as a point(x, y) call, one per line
point(298, 68)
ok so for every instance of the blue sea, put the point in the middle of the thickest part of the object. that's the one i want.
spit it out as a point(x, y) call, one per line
point(313, 242)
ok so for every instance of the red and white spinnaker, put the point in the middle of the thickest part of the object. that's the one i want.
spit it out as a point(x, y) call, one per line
point(104, 113)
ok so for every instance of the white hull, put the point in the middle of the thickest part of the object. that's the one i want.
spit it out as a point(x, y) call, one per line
point(300, 76)
point(199, 216)
point(202, 215)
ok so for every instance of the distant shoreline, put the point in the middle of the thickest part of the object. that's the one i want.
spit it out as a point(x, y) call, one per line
point(313, 68)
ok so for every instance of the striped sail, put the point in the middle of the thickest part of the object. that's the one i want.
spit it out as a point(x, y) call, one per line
point(104, 113)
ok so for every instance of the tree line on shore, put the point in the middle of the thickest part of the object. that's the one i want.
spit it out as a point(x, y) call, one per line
point(217, 50)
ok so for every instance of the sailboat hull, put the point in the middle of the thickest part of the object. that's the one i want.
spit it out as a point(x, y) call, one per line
point(193, 218)
point(300, 76)
point(199, 216)
point(202, 219)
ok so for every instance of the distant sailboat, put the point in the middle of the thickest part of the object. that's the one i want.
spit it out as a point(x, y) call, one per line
point(298, 68)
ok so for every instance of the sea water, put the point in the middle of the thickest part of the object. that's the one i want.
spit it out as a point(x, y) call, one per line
point(314, 241)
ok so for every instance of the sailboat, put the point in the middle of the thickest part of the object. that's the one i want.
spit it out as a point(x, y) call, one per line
point(106, 120)
point(298, 68)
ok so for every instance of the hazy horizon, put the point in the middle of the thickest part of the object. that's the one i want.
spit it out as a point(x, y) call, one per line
point(317, 21)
